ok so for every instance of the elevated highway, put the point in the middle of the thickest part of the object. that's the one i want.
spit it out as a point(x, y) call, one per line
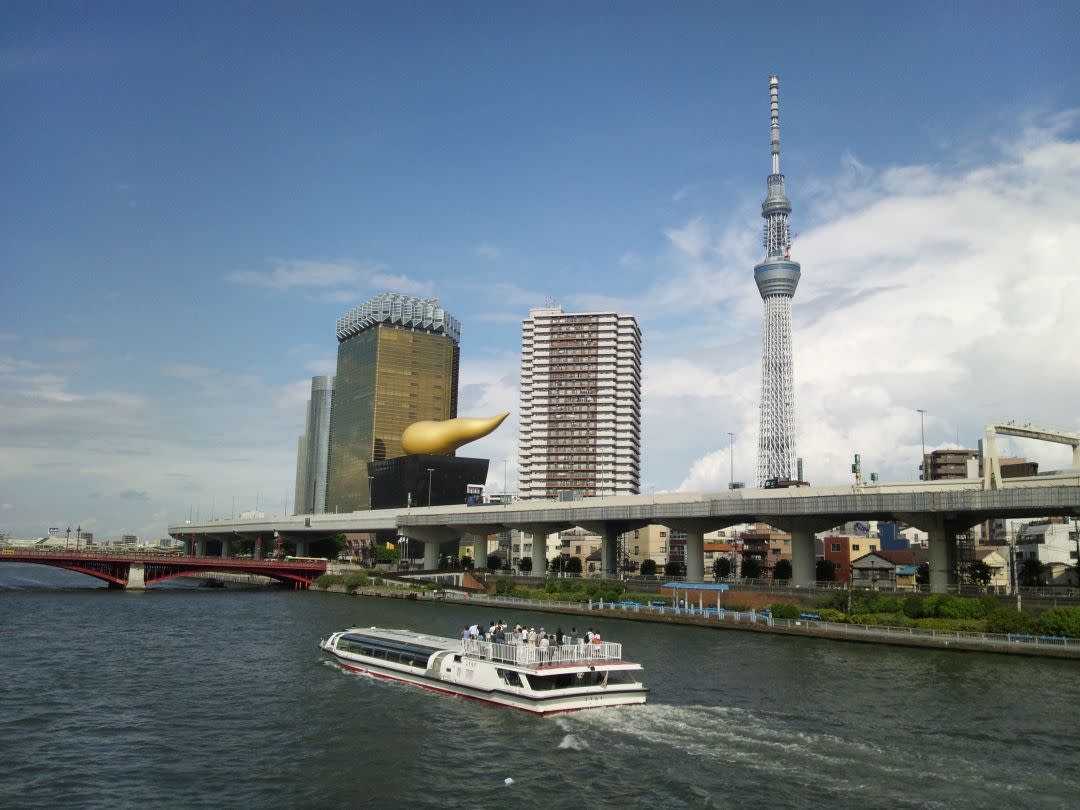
point(943, 509)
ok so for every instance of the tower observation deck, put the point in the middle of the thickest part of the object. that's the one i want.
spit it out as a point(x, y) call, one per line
point(776, 277)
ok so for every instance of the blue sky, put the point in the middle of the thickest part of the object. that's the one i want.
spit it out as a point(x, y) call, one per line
point(192, 196)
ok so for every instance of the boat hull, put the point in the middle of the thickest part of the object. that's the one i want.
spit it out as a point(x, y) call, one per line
point(535, 703)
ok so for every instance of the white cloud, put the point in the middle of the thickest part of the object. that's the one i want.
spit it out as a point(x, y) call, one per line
point(340, 281)
point(489, 251)
point(921, 287)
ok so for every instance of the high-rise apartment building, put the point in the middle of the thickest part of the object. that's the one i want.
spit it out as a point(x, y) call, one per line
point(580, 420)
point(313, 449)
point(397, 364)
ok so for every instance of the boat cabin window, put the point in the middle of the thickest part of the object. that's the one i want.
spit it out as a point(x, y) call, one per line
point(390, 650)
point(511, 678)
point(577, 680)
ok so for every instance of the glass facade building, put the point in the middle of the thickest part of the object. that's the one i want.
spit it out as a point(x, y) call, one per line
point(397, 364)
point(313, 449)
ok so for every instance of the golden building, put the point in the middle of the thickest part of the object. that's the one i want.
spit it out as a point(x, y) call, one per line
point(397, 364)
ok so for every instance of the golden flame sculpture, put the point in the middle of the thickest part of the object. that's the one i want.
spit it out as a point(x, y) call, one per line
point(443, 438)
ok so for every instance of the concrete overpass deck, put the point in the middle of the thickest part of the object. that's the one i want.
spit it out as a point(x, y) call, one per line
point(941, 508)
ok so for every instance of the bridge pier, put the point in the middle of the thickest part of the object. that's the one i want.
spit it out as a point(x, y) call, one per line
point(301, 547)
point(431, 555)
point(803, 558)
point(609, 531)
point(942, 558)
point(226, 551)
point(200, 546)
point(136, 579)
point(480, 548)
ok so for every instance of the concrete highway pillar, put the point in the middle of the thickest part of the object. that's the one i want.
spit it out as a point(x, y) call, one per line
point(301, 548)
point(200, 547)
point(942, 557)
point(226, 551)
point(480, 552)
point(539, 552)
point(136, 580)
point(803, 558)
point(431, 555)
point(609, 551)
point(695, 554)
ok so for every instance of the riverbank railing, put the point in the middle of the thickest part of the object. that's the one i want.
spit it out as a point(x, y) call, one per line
point(808, 624)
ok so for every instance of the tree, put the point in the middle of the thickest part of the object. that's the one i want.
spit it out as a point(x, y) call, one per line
point(751, 568)
point(648, 568)
point(557, 564)
point(1031, 574)
point(525, 564)
point(977, 572)
point(922, 574)
point(573, 565)
point(824, 571)
point(467, 563)
point(386, 555)
point(782, 570)
point(721, 568)
point(494, 562)
point(674, 568)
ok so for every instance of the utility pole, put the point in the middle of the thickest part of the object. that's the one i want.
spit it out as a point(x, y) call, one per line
point(430, 470)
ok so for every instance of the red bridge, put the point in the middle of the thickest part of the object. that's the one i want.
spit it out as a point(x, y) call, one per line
point(139, 570)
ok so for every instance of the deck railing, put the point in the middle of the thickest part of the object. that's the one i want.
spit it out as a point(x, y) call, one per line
point(531, 655)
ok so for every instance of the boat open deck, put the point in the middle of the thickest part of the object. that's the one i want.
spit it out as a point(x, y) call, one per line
point(529, 655)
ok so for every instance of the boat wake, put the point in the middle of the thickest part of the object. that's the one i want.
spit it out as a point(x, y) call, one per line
point(721, 737)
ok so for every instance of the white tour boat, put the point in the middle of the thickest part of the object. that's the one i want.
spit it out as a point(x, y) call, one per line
point(543, 680)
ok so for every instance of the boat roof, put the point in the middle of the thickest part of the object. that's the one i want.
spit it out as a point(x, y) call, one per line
point(407, 636)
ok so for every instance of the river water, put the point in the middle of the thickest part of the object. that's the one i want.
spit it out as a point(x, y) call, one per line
point(191, 697)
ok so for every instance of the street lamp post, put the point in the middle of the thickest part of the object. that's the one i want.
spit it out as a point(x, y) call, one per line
point(731, 458)
point(430, 470)
point(370, 491)
point(922, 428)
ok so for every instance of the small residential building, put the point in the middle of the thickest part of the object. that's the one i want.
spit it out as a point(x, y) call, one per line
point(841, 550)
point(1048, 541)
point(997, 560)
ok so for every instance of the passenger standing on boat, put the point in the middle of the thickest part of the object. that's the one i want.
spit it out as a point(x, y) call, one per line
point(589, 636)
point(532, 636)
point(544, 644)
point(574, 636)
point(465, 634)
point(558, 636)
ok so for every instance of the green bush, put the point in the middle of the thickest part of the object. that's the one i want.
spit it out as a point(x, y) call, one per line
point(785, 610)
point(832, 615)
point(503, 587)
point(326, 580)
point(864, 618)
point(354, 581)
point(1059, 621)
point(378, 581)
point(899, 619)
point(913, 606)
point(1004, 620)
point(962, 609)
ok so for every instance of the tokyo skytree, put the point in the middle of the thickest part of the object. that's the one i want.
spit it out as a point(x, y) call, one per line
point(777, 277)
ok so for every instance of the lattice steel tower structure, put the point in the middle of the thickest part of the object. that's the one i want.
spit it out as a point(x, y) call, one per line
point(777, 277)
